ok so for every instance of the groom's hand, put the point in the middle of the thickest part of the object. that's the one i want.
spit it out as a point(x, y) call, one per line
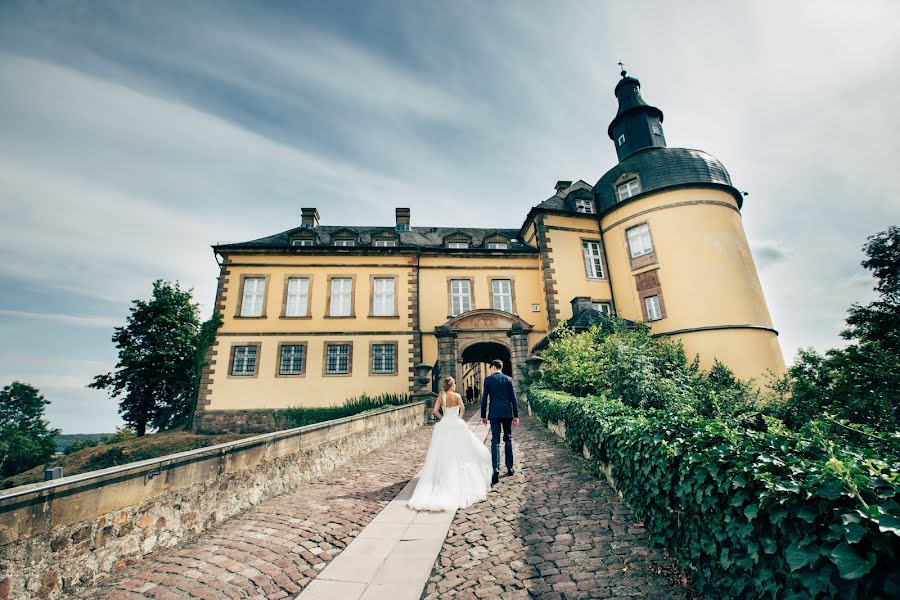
point(484, 421)
point(516, 421)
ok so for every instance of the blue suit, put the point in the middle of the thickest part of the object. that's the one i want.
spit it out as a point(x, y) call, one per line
point(504, 407)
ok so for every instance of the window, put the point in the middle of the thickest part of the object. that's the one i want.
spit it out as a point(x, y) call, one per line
point(383, 297)
point(628, 189)
point(457, 245)
point(303, 242)
point(337, 359)
point(386, 243)
point(593, 263)
point(501, 294)
point(602, 307)
point(584, 205)
point(639, 240)
point(621, 139)
point(656, 130)
point(402, 226)
point(497, 246)
point(297, 302)
point(460, 296)
point(384, 359)
point(252, 300)
point(344, 242)
point(244, 361)
point(341, 297)
point(291, 362)
point(653, 311)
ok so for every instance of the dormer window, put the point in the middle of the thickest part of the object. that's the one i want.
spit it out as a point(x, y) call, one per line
point(621, 139)
point(345, 242)
point(386, 243)
point(629, 188)
point(584, 205)
point(498, 246)
point(402, 226)
point(303, 242)
point(656, 130)
point(457, 245)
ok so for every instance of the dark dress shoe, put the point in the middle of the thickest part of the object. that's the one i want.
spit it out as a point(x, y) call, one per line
point(510, 472)
point(495, 477)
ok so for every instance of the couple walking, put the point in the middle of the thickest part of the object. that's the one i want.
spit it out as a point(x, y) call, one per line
point(458, 469)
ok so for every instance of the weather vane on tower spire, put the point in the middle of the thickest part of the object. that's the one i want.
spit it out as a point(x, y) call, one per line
point(624, 72)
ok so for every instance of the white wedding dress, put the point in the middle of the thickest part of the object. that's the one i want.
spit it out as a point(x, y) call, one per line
point(457, 471)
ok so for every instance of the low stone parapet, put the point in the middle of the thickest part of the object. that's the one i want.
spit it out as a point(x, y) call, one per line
point(56, 537)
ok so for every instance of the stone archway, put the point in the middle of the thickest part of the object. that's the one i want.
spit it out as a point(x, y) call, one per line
point(479, 333)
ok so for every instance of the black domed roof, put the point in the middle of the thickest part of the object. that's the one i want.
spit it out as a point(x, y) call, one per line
point(661, 168)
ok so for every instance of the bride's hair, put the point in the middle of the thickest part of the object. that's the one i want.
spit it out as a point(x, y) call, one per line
point(446, 384)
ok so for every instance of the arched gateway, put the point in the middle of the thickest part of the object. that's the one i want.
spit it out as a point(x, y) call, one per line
point(479, 336)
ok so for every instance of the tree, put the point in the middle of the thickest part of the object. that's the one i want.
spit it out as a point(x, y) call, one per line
point(155, 372)
point(25, 438)
point(204, 340)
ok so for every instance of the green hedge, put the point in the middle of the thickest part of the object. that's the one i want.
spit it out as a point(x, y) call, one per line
point(298, 417)
point(746, 514)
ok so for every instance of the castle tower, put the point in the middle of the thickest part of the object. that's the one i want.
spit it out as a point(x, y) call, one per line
point(671, 225)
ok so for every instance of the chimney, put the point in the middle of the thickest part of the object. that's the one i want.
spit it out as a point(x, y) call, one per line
point(580, 304)
point(402, 219)
point(561, 185)
point(309, 218)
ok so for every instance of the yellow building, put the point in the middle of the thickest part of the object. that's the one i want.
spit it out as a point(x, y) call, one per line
point(317, 314)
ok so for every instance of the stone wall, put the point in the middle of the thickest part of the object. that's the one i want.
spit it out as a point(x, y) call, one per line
point(58, 536)
point(234, 421)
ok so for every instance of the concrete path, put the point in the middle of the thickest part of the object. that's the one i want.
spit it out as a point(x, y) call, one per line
point(392, 558)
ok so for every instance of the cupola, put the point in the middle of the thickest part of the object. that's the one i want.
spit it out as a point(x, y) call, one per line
point(637, 125)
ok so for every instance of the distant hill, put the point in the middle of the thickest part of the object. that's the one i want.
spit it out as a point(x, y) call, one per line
point(65, 440)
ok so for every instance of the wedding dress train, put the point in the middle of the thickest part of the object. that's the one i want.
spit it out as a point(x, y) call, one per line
point(457, 471)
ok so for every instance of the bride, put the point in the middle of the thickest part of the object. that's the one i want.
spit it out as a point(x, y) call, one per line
point(457, 470)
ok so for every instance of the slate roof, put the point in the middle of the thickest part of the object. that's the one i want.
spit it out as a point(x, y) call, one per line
point(661, 168)
point(564, 200)
point(420, 237)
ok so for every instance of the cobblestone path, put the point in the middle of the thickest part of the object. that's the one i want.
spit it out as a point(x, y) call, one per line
point(550, 531)
point(274, 549)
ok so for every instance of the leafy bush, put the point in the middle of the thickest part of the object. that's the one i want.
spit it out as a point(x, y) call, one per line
point(297, 416)
point(80, 445)
point(747, 514)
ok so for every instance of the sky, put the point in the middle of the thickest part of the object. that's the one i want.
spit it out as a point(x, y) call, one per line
point(135, 135)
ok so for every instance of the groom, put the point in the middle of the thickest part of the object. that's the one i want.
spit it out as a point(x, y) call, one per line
point(504, 413)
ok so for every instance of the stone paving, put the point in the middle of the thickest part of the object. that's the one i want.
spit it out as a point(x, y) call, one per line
point(274, 549)
point(550, 531)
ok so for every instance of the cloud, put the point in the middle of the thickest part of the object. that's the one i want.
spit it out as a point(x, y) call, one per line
point(76, 320)
point(769, 252)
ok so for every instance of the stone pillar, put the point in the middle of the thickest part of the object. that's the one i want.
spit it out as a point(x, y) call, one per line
point(447, 350)
point(518, 337)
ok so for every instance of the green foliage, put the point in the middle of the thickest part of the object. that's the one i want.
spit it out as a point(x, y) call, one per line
point(80, 445)
point(747, 514)
point(122, 434)
point(159, 348)
point(25, 438)
point(300, 416)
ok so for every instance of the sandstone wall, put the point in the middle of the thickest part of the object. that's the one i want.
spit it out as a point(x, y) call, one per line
point(58, 536)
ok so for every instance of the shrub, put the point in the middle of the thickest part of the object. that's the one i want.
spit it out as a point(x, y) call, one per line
point(80, 445)
point(747, 514)
point(299, 416)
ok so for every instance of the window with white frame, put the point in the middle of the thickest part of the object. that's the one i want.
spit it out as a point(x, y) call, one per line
point(639, 243)
point(291, 362)
point(653, 311)
point(593, 262)
point(297, 303)
point(384, 358)
point(341, 297)
point(457, 245)
point(345, 242)
point(628, 189)
point(252, 300)
point(656, 130)
point(383, 299)
point(244, 360)
point(621, 139)
point(497, 245)
point(337, 359)
point(501, 294)
point(302, 242)
point(460, 296)
point(602, 307)
point(584, 205)
point(386, 243)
